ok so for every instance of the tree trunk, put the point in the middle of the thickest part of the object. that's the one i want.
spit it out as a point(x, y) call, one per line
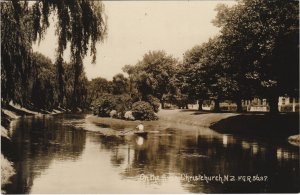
point(273, 103)
point(239, 107)
point(162, 104)
point(217, 105)
point(200, 102)
point(186, 106)
point(60, 79)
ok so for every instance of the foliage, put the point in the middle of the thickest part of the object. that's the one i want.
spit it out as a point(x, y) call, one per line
point(154, 102)
point(108, 102)
point(119, 84)
point(262, 40)
point(80, 23)
point(97, 87)
point(143, 111)
point(43, 88)
point(69, 85)
point(16, 41)
point(154, 74)
point(104, 105)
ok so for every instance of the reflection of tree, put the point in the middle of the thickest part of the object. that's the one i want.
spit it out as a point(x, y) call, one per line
point(113, 143)
point(193, 154)
point(37, 141)
point(117, 158)
point(234, 158)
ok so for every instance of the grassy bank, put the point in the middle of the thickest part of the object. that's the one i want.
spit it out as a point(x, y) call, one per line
point(192, 117)
point(176, 119)
point(249, 124)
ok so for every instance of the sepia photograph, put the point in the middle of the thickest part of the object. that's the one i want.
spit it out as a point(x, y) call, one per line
point(150, 97)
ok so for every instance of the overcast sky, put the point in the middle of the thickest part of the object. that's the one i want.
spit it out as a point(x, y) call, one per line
point(136, 27)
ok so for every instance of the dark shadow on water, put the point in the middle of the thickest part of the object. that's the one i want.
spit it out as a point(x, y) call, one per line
point(279, 125)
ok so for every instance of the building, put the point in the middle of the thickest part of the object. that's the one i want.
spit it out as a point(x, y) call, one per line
point(287, 104)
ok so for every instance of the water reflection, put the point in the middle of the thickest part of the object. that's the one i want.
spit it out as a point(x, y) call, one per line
point(51, 156)
point(36, 142)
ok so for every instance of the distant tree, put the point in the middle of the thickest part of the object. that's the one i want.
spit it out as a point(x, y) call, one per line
point(81, 88)
point(97, 87)
point(132, 73)
point(155, 75)
point(120, 84)
point(213, 70)
point(203, 74)
point(43, 83)
point(189, 76)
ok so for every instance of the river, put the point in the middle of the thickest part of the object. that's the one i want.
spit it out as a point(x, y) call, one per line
point(65, 154)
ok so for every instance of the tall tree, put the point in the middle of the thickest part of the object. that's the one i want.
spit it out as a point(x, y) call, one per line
point(262, 40)
point(189, 75)
point(156, 75)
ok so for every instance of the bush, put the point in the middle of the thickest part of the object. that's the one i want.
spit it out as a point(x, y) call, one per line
point(112, 105)
point(123, 104)
point(106, 107)
point(143, 111)
point(154, 102)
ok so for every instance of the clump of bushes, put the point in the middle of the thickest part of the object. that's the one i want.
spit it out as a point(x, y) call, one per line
point(122, 107)
point(142, 110)
point(154, 102)
point(112, 105)
point(104, 105)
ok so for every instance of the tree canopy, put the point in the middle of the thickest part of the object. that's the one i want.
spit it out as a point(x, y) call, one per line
point(79, 23)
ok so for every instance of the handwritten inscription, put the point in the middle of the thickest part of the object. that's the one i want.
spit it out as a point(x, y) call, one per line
point(205, 178)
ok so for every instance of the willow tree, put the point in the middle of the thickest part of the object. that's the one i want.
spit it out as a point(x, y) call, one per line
point(80, 24)
point(16, 42)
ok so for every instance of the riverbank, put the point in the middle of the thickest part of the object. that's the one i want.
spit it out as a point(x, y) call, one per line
point(281, 125)
point(175, 119)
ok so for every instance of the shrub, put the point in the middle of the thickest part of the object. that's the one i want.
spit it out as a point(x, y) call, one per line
point(112, 105)
point(123, 104)
point(154, 102)
point(143, 111)
point(106, 107)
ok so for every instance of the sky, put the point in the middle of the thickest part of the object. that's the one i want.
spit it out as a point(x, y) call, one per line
point(136, 27)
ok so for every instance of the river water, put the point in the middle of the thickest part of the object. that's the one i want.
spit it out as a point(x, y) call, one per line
point(65, 154)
